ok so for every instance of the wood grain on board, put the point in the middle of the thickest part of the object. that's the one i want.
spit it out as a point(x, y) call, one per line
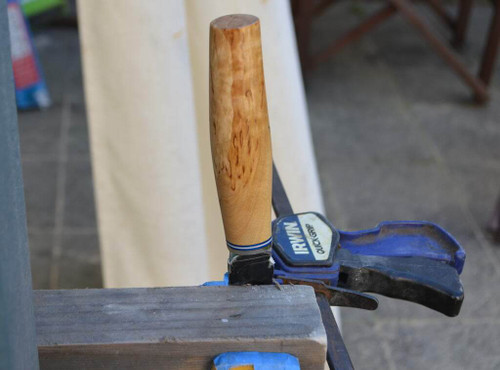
point(175, 328)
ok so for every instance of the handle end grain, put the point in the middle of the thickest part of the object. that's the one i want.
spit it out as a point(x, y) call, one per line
point(234, 21)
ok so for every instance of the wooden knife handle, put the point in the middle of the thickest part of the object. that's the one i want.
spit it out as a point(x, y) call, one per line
point(239, 132)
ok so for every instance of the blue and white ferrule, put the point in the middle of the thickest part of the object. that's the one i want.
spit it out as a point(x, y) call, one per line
point(252, 247)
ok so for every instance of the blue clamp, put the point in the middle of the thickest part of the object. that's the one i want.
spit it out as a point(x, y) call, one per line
point(416, 261)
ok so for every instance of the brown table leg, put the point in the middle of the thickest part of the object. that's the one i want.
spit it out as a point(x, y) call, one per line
point(303, 13)
point(439, 9)
point(494, 222)
point(410, 13)
point(322, 6)
point(462, 22)
point(354, 34)
point(491, 49)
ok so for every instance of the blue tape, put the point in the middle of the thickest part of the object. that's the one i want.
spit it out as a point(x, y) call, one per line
point(250, 247)
point(224, 282)
point(259, 361)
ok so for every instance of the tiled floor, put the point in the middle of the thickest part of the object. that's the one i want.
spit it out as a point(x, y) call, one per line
point(396, 138)
point(57, 173)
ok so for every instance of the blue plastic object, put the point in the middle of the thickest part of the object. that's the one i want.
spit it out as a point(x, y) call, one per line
point(259, 361)
point(392, 239)
point(31, 90)
point(224, 282)
point(406, 239)
point(416, 261)
point(412, 260)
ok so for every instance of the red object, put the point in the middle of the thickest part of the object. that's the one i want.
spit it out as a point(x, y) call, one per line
point(23, 59)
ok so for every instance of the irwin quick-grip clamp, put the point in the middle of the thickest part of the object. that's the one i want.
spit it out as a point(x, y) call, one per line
point(414, 261)
point(411, 260)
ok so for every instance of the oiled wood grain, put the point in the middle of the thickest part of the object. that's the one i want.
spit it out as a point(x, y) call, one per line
point(239, 129)
point(175, 328)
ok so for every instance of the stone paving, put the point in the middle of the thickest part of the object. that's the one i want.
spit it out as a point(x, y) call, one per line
point(57, 173)
point(396, 137)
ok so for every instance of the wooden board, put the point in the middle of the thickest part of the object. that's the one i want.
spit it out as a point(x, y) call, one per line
point(175, 328)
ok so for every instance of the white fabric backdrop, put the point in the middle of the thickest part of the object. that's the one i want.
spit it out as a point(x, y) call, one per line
point(146, 84)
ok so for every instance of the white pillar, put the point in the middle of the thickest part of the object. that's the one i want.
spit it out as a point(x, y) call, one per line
point(143, 135)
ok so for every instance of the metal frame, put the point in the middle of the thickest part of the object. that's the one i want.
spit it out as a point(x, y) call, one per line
point(491, 48)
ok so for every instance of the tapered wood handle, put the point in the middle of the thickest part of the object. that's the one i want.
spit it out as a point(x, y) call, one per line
point(239, 132)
